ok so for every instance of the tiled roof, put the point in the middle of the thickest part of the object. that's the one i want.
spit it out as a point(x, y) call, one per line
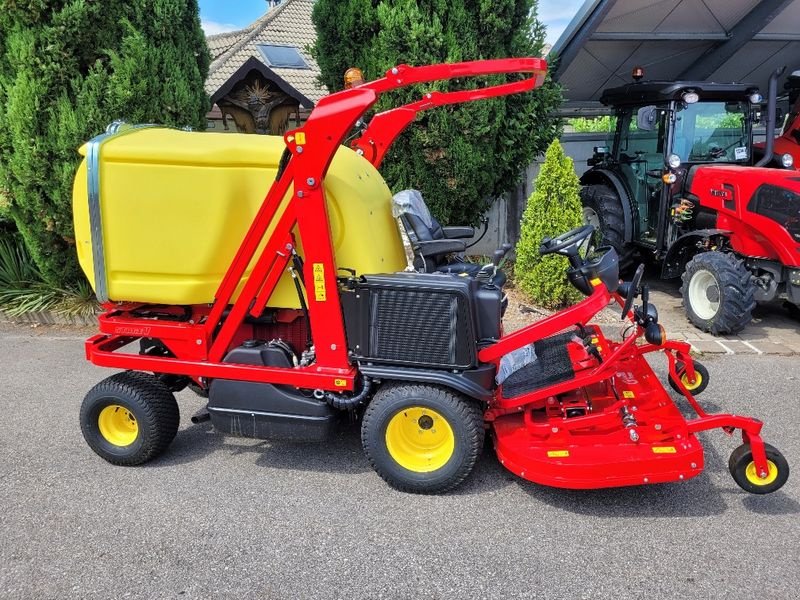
point(287, 24)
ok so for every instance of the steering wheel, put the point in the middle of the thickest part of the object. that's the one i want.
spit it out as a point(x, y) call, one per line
point(566, 243)
point(633, 290)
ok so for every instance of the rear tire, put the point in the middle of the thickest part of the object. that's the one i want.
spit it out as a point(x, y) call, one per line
point(422, 438)
point(129, 418)
point(602, 207)
point(717, 293)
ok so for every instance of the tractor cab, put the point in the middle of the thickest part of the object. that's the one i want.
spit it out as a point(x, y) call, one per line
point(663, 130)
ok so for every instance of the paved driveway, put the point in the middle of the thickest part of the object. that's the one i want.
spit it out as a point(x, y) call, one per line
point(222, 517)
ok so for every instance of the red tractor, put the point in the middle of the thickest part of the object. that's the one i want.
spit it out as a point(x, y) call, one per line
point(680, 186)
point(300, 310)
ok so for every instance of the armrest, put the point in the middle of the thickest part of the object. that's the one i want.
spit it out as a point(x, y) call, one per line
point(458, 232)
point(439, 247)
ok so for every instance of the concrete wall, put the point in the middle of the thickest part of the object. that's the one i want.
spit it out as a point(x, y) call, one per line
point(505, 213)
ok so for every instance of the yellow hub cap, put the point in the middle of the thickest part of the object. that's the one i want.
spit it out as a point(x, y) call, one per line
point(698, 380)
point(118, 425)
point(420, 439)
point(752, 475)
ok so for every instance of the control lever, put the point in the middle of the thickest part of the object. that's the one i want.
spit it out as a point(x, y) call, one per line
point(500, 253)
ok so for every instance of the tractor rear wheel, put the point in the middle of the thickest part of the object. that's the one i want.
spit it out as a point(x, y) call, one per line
point(718, 294)
point(129, 418)
point(422, 438)
point(602, 208)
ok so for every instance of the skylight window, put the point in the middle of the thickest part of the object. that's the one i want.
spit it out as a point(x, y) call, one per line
point(287, 57)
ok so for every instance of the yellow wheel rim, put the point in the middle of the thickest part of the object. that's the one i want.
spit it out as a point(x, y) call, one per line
point(118, 425)
point(752, 475)
point(698, 380)
point(420, 439)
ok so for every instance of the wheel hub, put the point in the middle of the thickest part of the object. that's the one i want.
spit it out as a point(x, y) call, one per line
point(420, 439)
point(118, 425)
point(704, 294)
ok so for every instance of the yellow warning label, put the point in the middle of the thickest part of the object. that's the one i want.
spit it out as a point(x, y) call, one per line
point(300, 138)
point(340, 382)
point(628, 394)
point(319, 282)
point(557, 453)
point(596, 281)
point(664, 450)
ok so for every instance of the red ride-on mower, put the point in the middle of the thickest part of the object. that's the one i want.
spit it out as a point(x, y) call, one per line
point(420, 357)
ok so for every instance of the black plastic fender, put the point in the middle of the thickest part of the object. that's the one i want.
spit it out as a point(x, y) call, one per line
point(593, 176)
point(475, 383)
point(672, 265)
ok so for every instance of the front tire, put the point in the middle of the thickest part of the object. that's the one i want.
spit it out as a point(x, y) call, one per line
point(743, 470)
point(717, 293)
point(129, 418)
point(602, 208)
point(421, 438)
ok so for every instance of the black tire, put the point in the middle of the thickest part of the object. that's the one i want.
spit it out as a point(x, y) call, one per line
point(718, 294)
point(741, 460)
point(395, 403)
point(699, 386)
point(136, 397)
point(607, 205)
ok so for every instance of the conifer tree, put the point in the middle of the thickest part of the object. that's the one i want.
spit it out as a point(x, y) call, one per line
point(553, 208)
point(67, 69)
point(460, 157)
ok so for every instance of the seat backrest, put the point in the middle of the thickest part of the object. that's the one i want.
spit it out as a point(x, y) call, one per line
point(420, 224)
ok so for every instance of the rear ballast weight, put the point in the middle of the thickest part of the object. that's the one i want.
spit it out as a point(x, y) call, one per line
point(414, 355)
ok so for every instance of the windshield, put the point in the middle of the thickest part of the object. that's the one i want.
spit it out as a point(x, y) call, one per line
point(712, 132)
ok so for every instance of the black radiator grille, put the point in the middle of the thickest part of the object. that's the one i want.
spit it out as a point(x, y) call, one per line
point(417, 327)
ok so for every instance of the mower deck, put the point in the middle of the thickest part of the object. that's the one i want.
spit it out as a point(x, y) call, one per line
point(626, 430)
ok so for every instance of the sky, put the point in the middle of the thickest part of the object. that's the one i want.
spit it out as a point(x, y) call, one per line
point(226, 15)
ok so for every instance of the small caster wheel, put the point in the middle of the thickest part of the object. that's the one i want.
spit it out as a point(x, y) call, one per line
point(700, 382)
point(743, 470)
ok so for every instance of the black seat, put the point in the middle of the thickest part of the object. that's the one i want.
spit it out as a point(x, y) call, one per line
point(436, 248)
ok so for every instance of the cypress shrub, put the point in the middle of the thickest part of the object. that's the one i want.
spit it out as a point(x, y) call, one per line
point(459, 156)
point(553, 208)
point(67, 69)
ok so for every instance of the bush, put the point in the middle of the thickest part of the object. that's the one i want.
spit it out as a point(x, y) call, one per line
point(460, 157)
point(67, 69)
point(553, 208)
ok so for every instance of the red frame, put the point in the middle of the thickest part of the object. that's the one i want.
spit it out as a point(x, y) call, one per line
point(199, 343)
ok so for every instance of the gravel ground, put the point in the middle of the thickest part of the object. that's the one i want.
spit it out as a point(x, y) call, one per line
point(224, 517)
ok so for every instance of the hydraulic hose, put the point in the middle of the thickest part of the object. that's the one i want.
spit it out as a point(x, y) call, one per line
point(340, 402)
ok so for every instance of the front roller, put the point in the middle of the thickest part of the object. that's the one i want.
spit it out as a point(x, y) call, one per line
point(422, 438)
point(129, 418)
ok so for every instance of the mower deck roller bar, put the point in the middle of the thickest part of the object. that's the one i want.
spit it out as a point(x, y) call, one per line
point(425, 398)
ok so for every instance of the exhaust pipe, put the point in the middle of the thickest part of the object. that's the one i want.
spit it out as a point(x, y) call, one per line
point(200, 417)
point(772, 102)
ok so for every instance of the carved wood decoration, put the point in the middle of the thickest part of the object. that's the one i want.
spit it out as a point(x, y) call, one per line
point(257, 105)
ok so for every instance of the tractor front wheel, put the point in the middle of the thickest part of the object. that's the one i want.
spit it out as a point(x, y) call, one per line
point(421, 438)
point(129, 418)
point(602, 208)
point(718, 294)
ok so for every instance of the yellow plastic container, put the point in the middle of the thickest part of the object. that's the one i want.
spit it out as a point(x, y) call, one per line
point(172, 207)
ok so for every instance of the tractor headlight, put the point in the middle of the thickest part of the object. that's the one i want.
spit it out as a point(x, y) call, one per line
point(787, 160)
point(756, 98)
point(674, 161)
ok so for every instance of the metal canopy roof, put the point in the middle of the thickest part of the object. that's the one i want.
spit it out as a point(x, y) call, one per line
point(706, 40)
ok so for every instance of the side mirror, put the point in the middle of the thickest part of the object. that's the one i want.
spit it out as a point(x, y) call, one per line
point(647, 118)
